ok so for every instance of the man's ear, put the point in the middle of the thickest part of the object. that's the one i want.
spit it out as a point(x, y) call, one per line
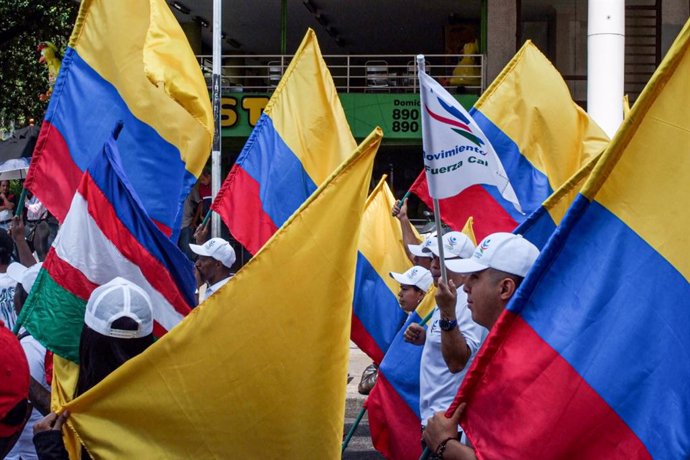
point(507, 288)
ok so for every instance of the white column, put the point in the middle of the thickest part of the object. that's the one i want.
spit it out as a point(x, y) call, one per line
point(215, 154)
point(606, 63)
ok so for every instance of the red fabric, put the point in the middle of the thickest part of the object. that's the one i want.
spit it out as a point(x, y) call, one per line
point(14, 376)
point(365, 342)
point(489, 216)
point(395, 428)
point(53, 176)
point(48, 367)
point(511, 398)
point(237, 202)
point(102, 212)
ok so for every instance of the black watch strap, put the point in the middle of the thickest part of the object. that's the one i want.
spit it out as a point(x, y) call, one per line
point(446, 325)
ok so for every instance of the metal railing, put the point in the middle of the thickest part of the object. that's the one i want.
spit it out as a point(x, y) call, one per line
point(358, 73)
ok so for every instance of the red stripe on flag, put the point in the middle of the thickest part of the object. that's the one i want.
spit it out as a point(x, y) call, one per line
point(395, 428)
point(53, 176)
point(475, 201)
point(237, 202)
point(365, 342)
point(68, 277)
point(103, 213)
point(525, 401)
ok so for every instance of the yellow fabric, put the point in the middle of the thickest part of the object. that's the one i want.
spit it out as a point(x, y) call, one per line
point(321, 139)
point(258, 370)
point(139, 47)
point(380, 240)
point(626, 106)
point(531, 104)
point(468, 229)
point(467, 72)
point(65, 375)
point(559, 202)
point(645, 172)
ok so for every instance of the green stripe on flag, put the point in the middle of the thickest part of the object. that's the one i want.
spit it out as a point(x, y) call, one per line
point(54, 317)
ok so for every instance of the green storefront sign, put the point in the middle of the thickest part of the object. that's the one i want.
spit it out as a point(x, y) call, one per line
point(399, 115)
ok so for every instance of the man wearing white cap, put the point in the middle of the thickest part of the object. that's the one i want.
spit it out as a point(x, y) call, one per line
point(216, 257)
point(494, 272)
point(450, 330)
point(414, 284)
point(420, 252)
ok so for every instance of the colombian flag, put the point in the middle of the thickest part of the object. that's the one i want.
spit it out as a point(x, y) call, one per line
point(127, 60)
point(542, 223)
point(299, 140)
point(269, 386)
point(590, 360)
point(376, 313)
point(540, 135)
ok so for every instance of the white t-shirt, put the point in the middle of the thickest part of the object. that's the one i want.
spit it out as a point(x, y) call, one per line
point(438, 385)
point(7, 313)
point(35, 355)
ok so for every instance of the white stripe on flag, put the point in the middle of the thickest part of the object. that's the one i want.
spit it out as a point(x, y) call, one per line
point(81, 244)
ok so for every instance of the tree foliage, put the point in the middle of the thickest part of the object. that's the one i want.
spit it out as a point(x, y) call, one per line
point(25, 24)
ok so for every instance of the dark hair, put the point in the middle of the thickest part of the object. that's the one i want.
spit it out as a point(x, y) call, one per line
point(498, 275)
point(6, 247)
point(99, 355)
point(42, 239)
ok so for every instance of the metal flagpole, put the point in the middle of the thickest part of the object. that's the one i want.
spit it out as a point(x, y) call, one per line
point(421, 67)
point(215, 97)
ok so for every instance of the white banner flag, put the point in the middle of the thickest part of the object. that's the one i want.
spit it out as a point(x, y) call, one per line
point(457, 154)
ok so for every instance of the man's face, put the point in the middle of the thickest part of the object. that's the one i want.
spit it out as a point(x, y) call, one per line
point(207, 267)
point(435, 269)
point(409, 297)
point(483, 297)
point(4, 186)
point(205, 179)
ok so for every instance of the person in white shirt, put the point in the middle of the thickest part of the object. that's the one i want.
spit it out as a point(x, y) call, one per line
point(214, 264)
point(451, 326)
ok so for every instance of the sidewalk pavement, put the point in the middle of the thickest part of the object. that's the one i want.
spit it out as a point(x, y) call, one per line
point(359, 447)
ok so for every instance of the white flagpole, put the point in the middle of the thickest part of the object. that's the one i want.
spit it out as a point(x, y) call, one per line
point(215, 97)
point(437, 209)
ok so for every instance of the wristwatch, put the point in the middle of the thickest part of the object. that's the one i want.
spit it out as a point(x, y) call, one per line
point(446, 325)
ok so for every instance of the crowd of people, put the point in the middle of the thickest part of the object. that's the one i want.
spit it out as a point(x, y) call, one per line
point(480, 282)
point(118, 320)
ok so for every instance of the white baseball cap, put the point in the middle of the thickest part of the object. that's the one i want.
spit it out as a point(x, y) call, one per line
point(26, 276)
point(415, 276)
point(502, 251)
point(119, 298)
point(418, 249)
point(455, 244)
point(216, 248)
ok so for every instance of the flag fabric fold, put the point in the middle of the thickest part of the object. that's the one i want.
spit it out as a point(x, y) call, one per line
point(129, 61)
point(376, 313)
point(542, 223)
point(300, 138)
point(540, 135)
point(272, 386)
point(591, 355)
point(457, 154)
point(106, 233)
